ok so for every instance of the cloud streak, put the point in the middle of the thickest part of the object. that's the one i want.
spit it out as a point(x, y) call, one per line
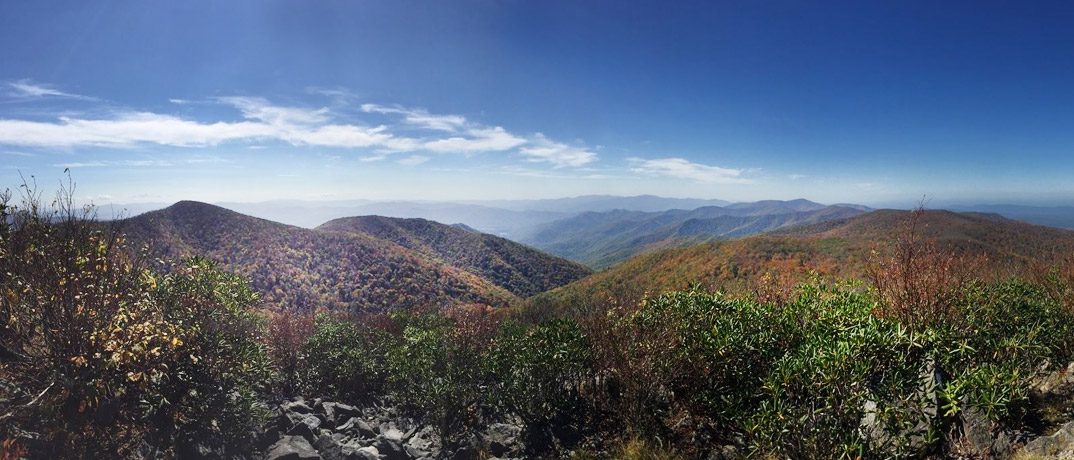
point(544, 150)
point(27, 89)
point(684, 169)
point(261, 123)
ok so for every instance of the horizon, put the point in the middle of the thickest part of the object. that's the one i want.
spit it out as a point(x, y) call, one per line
point(964, 103)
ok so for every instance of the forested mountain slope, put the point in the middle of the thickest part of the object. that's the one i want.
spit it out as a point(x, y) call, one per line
point(839, 247)
point(603, 239)
point(294, 267)
point(521, 270)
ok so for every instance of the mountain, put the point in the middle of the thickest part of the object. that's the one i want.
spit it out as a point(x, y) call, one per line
point(497, 221)
point(508, 218)
point(837, 247)
point(1054, 216)
point(519, 269)
point(603, 239)
point(763, 207)
point(294, 267)
point(601, 203)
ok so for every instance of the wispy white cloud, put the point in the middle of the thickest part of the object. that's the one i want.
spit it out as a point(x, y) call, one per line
point(796, 176)
point(126, 130)
point(684, 169)
point(28, 89)
point(372, 158)
point(263, 123)
point(204, 159)
point(494, 139)
point(339, 94)
point(420, 117)
point(17, 154)
point(413, 160)
point(127, 163)
point(544, 150)
point(468, 138)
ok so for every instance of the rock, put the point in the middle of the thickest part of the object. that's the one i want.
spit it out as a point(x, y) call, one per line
point(725, 453)
point(358, 425)
point(422, 443)
point(292, 448)
point(307, 428)
point(390, 449)
point(329, 411)
point(389, 431)
point(1058, 381)
point(267, 438)
point(980, 437)
point(502, 439)
point(1060, 444)
point(361, 453)
point(299, 407)
point(463, 453)
point(341, 411)
point(330, 447)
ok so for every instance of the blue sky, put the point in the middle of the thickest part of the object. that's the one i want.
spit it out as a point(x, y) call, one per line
point(867, 102)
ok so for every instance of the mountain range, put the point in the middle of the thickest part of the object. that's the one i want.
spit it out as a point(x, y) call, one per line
point(602, 239)
point(838, 247)
point(345, 267)
point(519, 219)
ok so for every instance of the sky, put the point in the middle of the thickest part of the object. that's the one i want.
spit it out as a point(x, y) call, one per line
point(865, 102)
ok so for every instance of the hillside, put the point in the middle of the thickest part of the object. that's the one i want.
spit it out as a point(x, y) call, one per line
point(603, 239)
point(297, 268)
point(519, 269)
point(836, 247)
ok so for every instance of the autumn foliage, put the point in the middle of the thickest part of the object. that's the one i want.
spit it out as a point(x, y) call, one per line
point(102, 356)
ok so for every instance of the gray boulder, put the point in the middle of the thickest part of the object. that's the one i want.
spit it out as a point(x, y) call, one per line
point(423, 443)
point(390, 449)
point(292, 448)
point(298, 406)
point(330, 447)
point(981, 438)
point(1058, 445)
point(306, 428)
point(361, 453)
point(503, 439)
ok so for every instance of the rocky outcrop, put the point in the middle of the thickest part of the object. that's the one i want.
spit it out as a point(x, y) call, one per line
point(335, 431)
point(1057, 446)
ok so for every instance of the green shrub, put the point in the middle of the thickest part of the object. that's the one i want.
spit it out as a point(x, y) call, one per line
point(344, 360)
point(211, 388)
point(539, 371)
point(1010, 333)
point(434, 376)
point(843, 361)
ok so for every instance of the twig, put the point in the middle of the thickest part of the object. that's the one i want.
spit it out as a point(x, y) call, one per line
point(31, 403)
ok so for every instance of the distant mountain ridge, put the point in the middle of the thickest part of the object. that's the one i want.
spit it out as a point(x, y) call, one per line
point(293, 267)
point(1053, 216)
point(600, 203)
point(516, 219)
point(837, 247)
point(603, 239)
